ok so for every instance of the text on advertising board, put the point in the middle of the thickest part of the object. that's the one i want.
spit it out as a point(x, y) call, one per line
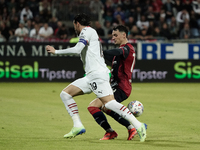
point(173, 51)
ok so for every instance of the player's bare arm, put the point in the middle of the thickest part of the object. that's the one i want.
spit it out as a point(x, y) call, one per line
point(73, 50)
point(50, 49)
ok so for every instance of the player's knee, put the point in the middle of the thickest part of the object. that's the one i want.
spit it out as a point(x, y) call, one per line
point(93, 109)
point(62, 93)
point(90, 105)
point(104, 109)
point(65, 95)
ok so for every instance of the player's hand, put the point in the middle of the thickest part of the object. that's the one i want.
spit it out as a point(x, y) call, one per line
point(50, 49)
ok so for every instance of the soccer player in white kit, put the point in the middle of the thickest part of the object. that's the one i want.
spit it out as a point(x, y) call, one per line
point(96, 79)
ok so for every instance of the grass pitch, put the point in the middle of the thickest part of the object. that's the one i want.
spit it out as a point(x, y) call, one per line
point(33, 117)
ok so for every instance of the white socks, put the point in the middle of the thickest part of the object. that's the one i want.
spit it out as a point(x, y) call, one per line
point(71, 107)
point(113, 105)
point(124, 112)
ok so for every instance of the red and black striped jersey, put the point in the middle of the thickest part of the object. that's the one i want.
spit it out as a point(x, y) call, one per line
point(122, 68)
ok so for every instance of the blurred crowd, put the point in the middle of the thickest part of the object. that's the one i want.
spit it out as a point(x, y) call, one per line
point(146, 19)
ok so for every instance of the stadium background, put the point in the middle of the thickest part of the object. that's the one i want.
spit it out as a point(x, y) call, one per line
point(160, 57)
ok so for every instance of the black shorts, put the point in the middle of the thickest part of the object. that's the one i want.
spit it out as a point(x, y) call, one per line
point(120, 96)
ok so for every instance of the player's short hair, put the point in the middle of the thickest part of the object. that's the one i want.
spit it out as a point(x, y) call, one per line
point(121, 28)
point(83, 19)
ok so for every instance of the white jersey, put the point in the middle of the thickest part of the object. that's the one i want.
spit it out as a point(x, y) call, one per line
point(90, 50)
point(92, 55)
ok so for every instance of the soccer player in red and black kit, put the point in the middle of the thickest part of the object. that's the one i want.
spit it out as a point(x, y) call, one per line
point(123, 62)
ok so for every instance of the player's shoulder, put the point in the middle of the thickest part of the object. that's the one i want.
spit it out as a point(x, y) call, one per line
point(126, 46)
point(87, 30)
point(130, 46)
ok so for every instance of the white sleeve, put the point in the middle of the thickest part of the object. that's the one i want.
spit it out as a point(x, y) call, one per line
point(73, 50)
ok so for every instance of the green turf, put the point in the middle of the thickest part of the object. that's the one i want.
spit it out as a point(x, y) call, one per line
point(33, 117)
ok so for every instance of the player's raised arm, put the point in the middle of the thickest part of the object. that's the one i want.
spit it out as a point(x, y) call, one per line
point(113, 52)
point(73, 50)
point(109, 54)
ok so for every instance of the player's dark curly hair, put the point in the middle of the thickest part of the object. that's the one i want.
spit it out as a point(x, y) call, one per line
point(121, 28)
point(83, 19)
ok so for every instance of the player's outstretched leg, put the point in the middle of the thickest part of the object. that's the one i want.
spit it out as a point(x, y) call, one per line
point(75, 131)
point(126, 114)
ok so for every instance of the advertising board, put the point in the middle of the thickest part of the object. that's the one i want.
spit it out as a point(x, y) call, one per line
point(63, 69)
point(166, 71)
point(155, 62)
point(168, 51)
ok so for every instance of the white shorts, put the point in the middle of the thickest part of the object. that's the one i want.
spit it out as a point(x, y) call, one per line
point(99, 84)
